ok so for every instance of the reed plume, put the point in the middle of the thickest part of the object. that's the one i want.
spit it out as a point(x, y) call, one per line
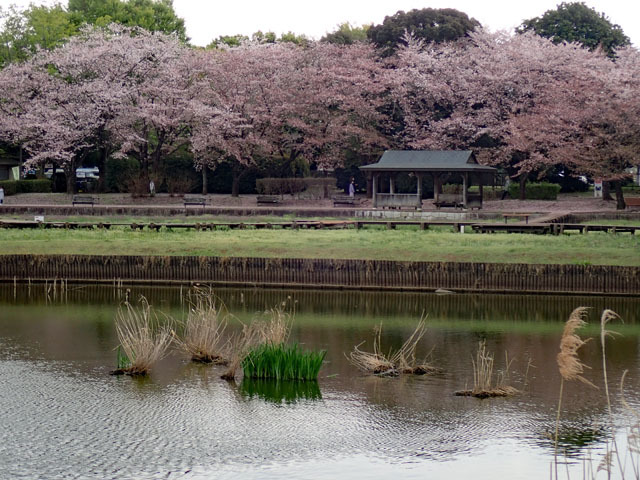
point(569, 364)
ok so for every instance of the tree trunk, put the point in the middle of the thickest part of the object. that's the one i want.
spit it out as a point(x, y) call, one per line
point(102, 169)
point(204, 180)
point(606, 191)
point(235, 185)
point(523, 185)
point(620, 203)
point(70, 174)
point(53, 178)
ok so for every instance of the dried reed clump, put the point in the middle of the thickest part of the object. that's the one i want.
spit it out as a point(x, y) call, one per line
point(238, 347)
point(483, 386)
point(403, 361)
point(274, 331)
point(204, 328)
point(143, 340)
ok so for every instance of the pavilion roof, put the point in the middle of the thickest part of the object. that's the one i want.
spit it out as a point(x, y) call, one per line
point(428, 161)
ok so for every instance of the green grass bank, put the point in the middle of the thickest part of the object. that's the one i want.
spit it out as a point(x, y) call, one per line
point(403, 244)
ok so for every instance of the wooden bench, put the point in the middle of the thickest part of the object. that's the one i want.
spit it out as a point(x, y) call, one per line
point(343, 200)
point(195, 200)
point(632, 202)
point(267, 199)
point(84, 200)
point(526, 216)
point(448, 200)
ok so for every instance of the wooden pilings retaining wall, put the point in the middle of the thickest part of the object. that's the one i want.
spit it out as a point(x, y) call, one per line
point(326, 273)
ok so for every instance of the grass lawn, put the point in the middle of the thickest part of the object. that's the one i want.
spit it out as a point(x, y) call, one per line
point(436, 244)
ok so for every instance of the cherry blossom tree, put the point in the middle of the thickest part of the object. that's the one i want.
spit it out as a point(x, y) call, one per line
point(520, 101)
point(289, 102)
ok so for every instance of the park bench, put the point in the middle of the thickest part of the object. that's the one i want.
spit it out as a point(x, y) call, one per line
point(84, 200)
point(632, 202)
point(267, 199)
point(448, 200)
point(526, 216)
point(194, 200)
point(343, 200)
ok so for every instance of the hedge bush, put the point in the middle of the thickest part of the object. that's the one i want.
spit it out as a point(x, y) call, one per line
point(536, 191)
point(119, 174)
point(488, 192)
point(291, 186)
point(12, 187)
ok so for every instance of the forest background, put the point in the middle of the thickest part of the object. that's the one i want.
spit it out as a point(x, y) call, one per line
point(117, 85)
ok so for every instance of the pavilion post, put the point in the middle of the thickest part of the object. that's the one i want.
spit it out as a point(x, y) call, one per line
point(436, 187)
point(374, 189)
point(392, 185)
point(419, 199)
point(465, 185)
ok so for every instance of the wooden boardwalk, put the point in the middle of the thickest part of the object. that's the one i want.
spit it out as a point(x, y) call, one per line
point(496, 227)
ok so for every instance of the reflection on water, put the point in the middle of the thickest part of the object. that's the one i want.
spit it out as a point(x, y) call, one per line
point(280, 391)
point(62, 415)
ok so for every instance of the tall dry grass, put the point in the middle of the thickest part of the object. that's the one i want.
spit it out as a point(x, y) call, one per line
point(403, 360)
point(142, 338)
point(204, 327)
point(486, 383)
point(569, 364)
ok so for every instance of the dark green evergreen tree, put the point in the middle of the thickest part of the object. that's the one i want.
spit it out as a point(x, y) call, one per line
point(576, 22)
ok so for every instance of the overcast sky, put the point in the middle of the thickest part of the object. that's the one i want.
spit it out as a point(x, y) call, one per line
point(208, 19)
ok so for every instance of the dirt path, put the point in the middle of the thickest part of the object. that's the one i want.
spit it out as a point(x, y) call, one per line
point(564, 203)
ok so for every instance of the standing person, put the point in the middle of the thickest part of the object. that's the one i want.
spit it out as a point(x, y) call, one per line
point(352, 188)
point(152, 188)
point(1, 195)
point(505, 192)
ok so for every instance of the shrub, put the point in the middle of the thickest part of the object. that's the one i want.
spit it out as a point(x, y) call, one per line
point(451, 188)
point(34, 186)
point(488, 192)
point(119, 173)
point(536, 191)
point(10, 187)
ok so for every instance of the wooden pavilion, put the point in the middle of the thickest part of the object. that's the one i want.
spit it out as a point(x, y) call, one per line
point(442, 165)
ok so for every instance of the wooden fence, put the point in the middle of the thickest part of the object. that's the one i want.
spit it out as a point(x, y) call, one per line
point(325, 273)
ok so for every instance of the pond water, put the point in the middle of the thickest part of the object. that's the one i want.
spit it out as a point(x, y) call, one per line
point(63, 416)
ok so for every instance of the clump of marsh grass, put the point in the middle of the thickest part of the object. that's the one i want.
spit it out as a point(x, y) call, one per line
point(204, 328)
point(260, 348)
point(273, 330)
point(142, 339)
point(483, 377)
point(394, 363)
point(282, 362)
